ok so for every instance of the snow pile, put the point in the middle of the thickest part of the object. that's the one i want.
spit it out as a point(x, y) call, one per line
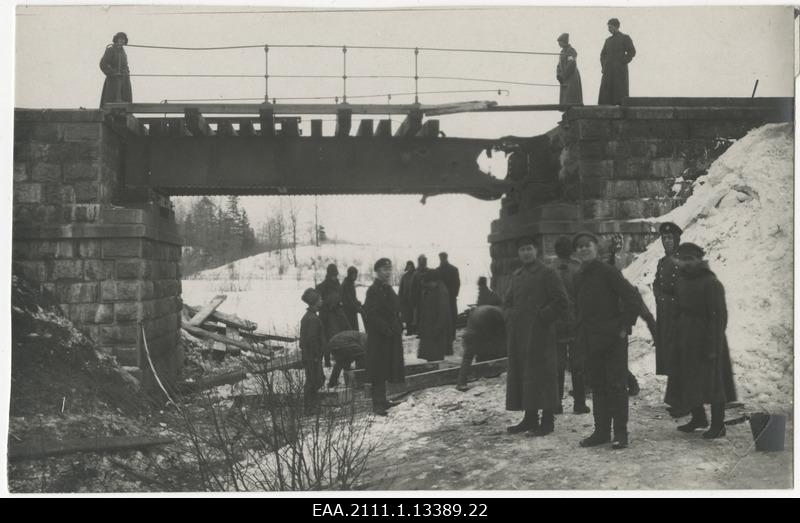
point(741, 213)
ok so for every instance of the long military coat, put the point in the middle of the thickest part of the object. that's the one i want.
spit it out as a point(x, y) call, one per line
point(664, 292)
point(331, 313)
point(567, 269)
point(701, 371)
point(311, 347)
point(406, 297)
point(381, 314)
point(617, 53)
point(569, 77)
point(434, 322)
point(350, 303)
point(117, 86)
point(534, 301)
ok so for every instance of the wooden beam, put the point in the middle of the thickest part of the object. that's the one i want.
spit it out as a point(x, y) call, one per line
point(316, 128)
point(411, 125)
point(449, 376)
point(271, 337)
point(461, 107)
point(344, 122)
point(290, 126)
point(228, 378)
point(246, 128)
point(358, 377)
point(44, 449)
point(254, 109)
point(267, 117)
point(365, 128)
point(430, 129)
point(205, 335)
point(207, 310)
point(225, 128)
point(196, 124)
point(384, 128)
point(229, 320)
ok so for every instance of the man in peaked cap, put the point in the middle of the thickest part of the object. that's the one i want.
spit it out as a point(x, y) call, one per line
point(617, 53)
point(567, 73)
point(664, 292)
point(311, 347)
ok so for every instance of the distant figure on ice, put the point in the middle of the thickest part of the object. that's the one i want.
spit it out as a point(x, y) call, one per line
point(534, 301)
point(311, 345)
point(384, 336)
point(406, 300)
point(664, 292)
point(606, 306)
point(416, 286)
point(331, 313)
point(567, 73)
point(484, 339)
point(701, 371)
point(434, 318)
point(452, 281)
point(568, 351)
point(487, 296)
point(350, 303)
point(114, 64)
point(617, 53)
point(346, 348)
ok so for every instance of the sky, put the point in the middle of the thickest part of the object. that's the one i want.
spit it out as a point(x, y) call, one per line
point(681, 51)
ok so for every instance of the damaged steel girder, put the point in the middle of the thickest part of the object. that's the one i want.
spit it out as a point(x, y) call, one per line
point(255, 165)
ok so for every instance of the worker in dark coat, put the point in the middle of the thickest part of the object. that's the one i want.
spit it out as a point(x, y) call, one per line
point(452, 281)
point(114, 64)
point(664, 292)
point(567, 350)
point(617, 53)
point(567, 73)
point(606, 306)
point(484, 339)
point(534, 301)
point(346, 348)
point(434, 320)
point(487, 296)
point(350, 303)
point(406, 301)
point(331, 313)
point(416, 285)
point(311, 347)
point(701, 371)
point(384, 336)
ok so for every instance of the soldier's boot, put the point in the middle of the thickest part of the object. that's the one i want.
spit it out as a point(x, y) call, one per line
point(698, 421)
point(529, 422)
point(547, 426)
point(579, 395)
point(620, 419)
point(717, 429)
point(602, 423)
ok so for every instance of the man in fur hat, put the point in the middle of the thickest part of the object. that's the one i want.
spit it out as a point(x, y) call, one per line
point(114, 64)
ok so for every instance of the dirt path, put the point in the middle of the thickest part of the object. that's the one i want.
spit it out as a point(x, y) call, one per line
point(443, 439)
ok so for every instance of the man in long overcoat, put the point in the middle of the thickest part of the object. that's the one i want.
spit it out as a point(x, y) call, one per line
point(384, 336)
point(664, 292)
point(701, 371)
point(311, 347)
point(617, 53)
point(331, 313)
point(114, 64)
point(452, 281)
point(406, 300)
point(350, 303)
point(606, 306)
point(434, 320)
point(416, 285)
point(534, 301)
point(567, 73)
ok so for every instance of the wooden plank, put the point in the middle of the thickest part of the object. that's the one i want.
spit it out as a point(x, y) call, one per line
point(205, 335)
point(227, 378)
point(358, 377)
point(462, 107)
point(411, 125)
point(384, 128)
point(206, 311)
point(229, 320)
point(271, 337)
point(449, 376)
point(344, 122)
point(44, 449)
point(365, 128)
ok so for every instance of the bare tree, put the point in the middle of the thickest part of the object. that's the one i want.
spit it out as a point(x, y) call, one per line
point(294, 214)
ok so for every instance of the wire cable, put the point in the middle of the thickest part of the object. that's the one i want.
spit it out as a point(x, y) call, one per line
point(339, 47)
point(500, 92)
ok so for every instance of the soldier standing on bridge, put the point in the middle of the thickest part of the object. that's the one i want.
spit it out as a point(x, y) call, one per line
point(617, 53)
point(114, 64)
point(567, 73)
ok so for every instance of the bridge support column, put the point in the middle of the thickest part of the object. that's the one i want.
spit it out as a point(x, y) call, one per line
point(109, 264)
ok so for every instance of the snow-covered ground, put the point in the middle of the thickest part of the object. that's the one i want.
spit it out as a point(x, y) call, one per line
point(257, 288)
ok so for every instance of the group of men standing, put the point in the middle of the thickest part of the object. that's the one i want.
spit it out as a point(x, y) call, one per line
point(617, 53)
point(587, 307)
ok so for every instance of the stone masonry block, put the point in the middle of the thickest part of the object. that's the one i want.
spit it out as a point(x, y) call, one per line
point(34, 270)
point(594, 129)
point(81, 171)
point(128, 356)
point(64, 249)
point(77, 132)
point(47, 132)
point(77, 292)
point(89, 248)
point(622, 189)
point(591, 149)
point(668, 168)
point(631, 209)
point(70, 152)
point(45, 214)
point(631, 168)
point(46, 172)
point(88, 213)
point(95, 313)
point(164, 288)
point(649, 113)
point(20, 172)
point(591, 189)
point(628, 129)
point(28, 193)
point(119, 334)
point(122, 247)
point(596, 169)
point(720, 129)
point(67, 270)
point(87, 192)
point(134, 269)
point(132, 290)
point(654, 188)
point(127, 312)
point(595, 209)
point(98, 270)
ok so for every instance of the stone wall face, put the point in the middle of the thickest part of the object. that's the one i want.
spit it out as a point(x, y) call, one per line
point(110, 267)
point(604, 169)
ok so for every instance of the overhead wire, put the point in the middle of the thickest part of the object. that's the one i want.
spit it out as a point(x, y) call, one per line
point(329, 46)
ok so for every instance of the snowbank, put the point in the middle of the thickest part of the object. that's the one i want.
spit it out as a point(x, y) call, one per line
point(741, 213)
